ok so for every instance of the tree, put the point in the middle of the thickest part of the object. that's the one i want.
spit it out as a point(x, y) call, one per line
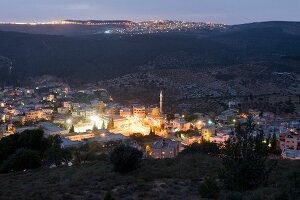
point(125, 158)
point(95, 128)
point(188, 133)
point(28, 148)
point(103, 126)
point(29, 139)
point(58, 155)
point(72, 129)
point(244, 157)
point(55, 153)
point(86, 152)
point(152, 131)
point(54, 141)
point(191, 118)
point(23, 159)
point(273, 142)
point(170, 116)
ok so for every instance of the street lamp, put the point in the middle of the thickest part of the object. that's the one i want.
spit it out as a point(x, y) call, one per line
point(69, 121)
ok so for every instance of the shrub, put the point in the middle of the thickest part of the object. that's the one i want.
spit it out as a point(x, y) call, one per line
point(29, 139)
point(209, 188)
point(125, 158)
point(203, 147)
point(23, 159)
point(58, 155)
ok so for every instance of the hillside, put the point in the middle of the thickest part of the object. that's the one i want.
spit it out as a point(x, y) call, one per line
point(66, 29)
point(271, 45)
point(156, 179)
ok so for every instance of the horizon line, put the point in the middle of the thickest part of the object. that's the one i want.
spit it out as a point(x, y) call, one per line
point(59, 21)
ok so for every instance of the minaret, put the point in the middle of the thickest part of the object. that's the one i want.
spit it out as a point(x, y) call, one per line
point(161, 103)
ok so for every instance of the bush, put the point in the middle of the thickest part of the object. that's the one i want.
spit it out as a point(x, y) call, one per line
point(58, 155)
point(125, 158)
point(27, 149)
point(29, 139)
point(203, 147)
point(23, 159)
point(209, 189)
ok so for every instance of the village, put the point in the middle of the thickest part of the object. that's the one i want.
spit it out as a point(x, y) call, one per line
point(80, 116)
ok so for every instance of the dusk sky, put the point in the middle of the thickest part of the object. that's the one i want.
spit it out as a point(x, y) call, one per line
point(220, 11)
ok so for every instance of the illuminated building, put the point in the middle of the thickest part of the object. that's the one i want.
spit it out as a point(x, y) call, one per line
point(156, 121)
point(289, 141)
point(125, 112)
point(110, 110)
point(86, 113)
point(89, 113)
point(80, 136)
point(219, 138)
point(290, 154)
point(163, 149)
point(50, 97)
point(181, 125)
point(78, 113)
point(119, 121)
point(191, 140)
point(33, 115)
point(67, 104)
point(10, 111)
point(155, 111)
point(83, 127)
point(10, 129)
point(52, 129)
point(139, 112)
point(62, 110)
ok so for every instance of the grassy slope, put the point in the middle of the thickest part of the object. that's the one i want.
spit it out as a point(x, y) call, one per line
point(156, 179)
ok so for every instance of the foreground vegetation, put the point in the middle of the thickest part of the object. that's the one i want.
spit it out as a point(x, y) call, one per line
point(156, 179)
point(240, 169)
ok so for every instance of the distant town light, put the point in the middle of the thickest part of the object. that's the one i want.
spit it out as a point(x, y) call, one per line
point(69, 121)
point(269, 145)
